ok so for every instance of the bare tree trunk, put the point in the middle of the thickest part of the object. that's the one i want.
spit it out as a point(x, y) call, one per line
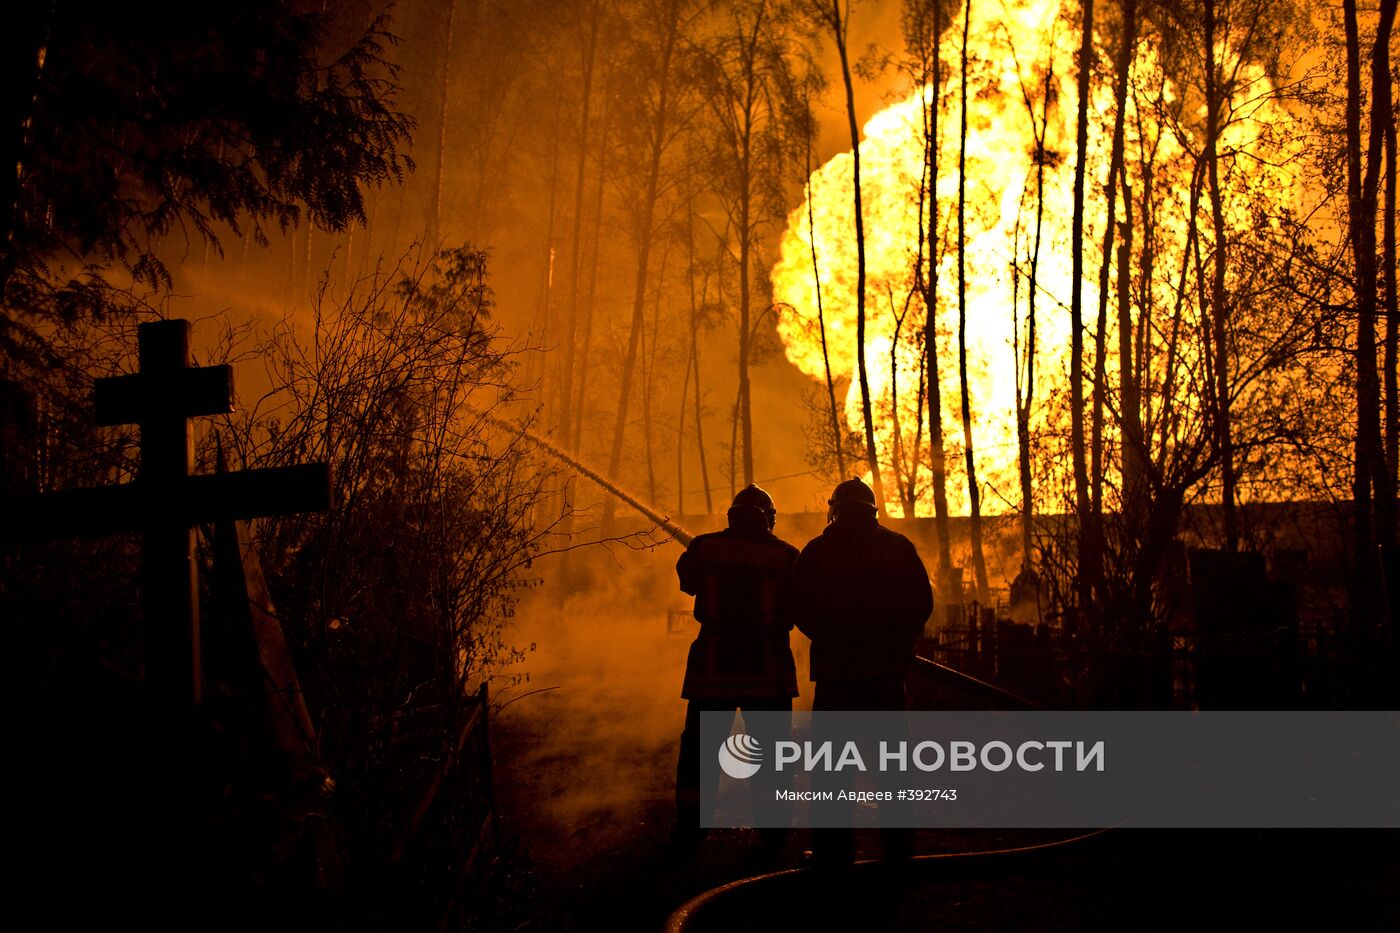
point(1022, 387)
point(700, 431)
point(1146, 266)
point(695, 359)
point(1120, 96)
point(648, 359)
point(1382, 126)
point(649, 375)
point(1025, 387)
point(912, 496)
point(745, 410)
point(1219, 311)
point(872, 459)
point(1392, 327)
point(896, 431)
point(979, 563)
point(837, 434)
point(1129, 389)
point(1167, 413)
point(938, 463)
point(1132, 374)
point(680, 433)
point(645, 234)
point(938, 468)
point(734, 449)
point(629, 362)
point(1088, 556)
point(566, 379)
point(906, 504)
point(1361, 197)
point(1373, 485)
point(534, 366)
point(590, 301)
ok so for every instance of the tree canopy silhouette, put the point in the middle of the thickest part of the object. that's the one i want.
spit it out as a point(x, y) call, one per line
point(125, 126)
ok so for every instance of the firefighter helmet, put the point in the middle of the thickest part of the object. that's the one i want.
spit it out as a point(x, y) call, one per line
point(851, 491)
point(755, 498)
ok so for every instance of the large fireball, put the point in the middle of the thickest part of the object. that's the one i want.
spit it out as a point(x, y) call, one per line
point(1014, 48)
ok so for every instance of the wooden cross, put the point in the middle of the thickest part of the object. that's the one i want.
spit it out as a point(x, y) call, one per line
point(166, 502)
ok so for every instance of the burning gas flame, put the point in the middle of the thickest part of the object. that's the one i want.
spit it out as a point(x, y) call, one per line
point(1013, 47)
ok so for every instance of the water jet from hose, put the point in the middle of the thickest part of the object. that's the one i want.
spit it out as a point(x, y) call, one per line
point(682, 536)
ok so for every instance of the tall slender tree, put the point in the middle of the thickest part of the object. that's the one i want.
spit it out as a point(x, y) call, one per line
point(1372, 493)
point(657, 124)
point(974, 497)
point(590, 300)
point(1216, 100)
point(837, 16)
point(696, 306)
point(1088, 557)
point(923, 30)
point(1024, 352)
point(588, 55)
point(1392, 317)
point(751, 64)
point(838, 434)
point(1123, 61)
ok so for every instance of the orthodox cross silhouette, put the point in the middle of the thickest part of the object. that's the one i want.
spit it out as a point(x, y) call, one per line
point(166, 502)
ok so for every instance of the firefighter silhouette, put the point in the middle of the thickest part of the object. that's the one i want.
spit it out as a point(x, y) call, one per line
point(741, 659)
point(861, 594)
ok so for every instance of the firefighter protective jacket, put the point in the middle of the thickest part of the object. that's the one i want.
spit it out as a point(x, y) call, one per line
point(739, 578)
point(861, 593)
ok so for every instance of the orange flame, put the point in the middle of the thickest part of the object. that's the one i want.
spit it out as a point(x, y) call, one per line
point(1001, 192)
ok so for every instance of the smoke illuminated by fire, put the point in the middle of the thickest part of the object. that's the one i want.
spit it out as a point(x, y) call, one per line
point(1011, 48)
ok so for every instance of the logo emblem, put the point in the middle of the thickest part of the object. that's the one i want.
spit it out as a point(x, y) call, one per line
point(740, 756)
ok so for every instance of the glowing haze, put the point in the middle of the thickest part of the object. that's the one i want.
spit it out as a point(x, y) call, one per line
point(1011, 47)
